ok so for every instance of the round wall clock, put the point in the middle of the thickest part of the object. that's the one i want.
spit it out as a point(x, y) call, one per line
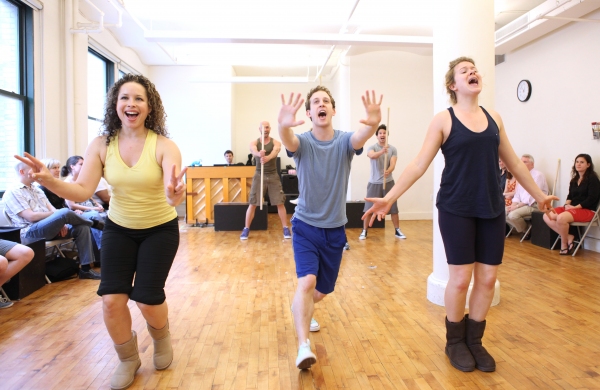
point(524, 90)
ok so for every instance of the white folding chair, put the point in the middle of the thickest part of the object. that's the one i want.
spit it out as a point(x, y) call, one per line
point(526, 219)
point(594, 222)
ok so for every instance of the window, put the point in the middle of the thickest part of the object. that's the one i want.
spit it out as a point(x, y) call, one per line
point(16, 87)
point(101, 73)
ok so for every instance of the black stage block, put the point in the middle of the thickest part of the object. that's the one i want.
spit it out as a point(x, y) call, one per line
point(32, 277)
point(290, 207)
point(354, 212)
point(541, 234)
point(232, 216)
point(289, 184)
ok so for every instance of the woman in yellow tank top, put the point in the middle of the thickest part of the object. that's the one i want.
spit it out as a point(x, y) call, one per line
point(141, 235)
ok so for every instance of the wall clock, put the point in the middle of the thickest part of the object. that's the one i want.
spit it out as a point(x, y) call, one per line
point(524, 90)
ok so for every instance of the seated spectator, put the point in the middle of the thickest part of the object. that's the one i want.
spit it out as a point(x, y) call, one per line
point(523, 204)
point(13, 258)
point(228, 157)
point(503, 171)
point(53, 166)
point(103, 194)
point(88, 209)
point(509, 189)
point(28, 207)
point(581, 204)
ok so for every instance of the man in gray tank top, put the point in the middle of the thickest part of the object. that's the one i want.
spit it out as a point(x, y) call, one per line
point(266, 157)
point(323, 157)
point(379, 174)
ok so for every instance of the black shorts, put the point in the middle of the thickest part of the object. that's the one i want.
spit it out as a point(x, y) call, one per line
point(146, 254)
point(468, 240)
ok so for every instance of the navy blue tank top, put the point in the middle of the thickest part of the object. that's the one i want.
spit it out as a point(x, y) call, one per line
point(470, 185)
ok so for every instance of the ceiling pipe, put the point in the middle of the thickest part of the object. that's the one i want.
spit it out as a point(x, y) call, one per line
point(570, 19)
point(343, 30)
point(538, 17)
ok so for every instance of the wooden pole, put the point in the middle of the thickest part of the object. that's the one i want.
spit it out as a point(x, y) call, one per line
point(386, 144)
point(262, 166)
point(555, 178)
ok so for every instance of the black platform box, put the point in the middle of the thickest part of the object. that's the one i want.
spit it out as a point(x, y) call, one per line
point(289, 183)
point(290, 208)
point(32, 277)
point(354, 212)
point(232, 216)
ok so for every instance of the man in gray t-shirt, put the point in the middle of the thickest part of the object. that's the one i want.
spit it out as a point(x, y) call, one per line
point(323, 157)
point(379, 173)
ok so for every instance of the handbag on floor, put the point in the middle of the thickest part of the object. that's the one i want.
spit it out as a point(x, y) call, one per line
point(61, 268)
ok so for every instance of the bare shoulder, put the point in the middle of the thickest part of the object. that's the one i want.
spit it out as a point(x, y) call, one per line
point(165, 143)
point(442, 120)
point(494, 114)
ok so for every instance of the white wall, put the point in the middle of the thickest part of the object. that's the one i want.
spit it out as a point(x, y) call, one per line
point(61, 79)
point(555, 123)
point(405, 81)
point(257, 102)
point(199, 115)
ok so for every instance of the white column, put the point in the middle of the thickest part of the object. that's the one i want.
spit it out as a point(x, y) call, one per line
point(462, 28)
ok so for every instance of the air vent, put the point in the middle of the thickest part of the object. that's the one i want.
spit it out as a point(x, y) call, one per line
point(499, 58)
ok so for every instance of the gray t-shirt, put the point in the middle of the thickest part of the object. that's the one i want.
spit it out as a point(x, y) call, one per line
point(323, 171)
point(377, 164)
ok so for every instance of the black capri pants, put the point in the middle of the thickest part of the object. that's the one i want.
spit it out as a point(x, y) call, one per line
point(146, 254)
point(468, 239)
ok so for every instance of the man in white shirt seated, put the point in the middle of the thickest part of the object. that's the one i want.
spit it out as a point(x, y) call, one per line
point(524, 204)
point(102, 194)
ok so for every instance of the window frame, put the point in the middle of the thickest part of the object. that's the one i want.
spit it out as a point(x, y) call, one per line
point(26, 77)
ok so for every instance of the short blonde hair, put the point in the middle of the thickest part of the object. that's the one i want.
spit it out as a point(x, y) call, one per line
point(450, 76)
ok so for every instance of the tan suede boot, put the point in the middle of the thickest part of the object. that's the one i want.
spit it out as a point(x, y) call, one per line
point(130, 362)
point(163, 351)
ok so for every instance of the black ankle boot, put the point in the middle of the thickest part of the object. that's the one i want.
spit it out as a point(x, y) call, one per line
point(456, 348)
point(483, 360)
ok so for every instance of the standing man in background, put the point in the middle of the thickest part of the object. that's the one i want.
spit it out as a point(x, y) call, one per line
point(379, 174)
point(266, 155)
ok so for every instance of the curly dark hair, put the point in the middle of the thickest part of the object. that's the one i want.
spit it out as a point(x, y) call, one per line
point(588, 172)
point(156, 118)
point(315, 89)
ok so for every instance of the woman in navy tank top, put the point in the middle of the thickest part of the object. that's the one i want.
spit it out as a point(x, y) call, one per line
point(470, 207)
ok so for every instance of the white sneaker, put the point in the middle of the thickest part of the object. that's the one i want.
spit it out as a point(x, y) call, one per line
point(363, 235)
point(294, 201)
point(314, 325)
point(306, 357)
point(400, 235)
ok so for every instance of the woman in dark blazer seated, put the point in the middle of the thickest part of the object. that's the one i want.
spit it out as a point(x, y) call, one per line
point(581, 204)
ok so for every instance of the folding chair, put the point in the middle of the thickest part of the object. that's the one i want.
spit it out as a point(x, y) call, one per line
point(526, 219)
point(594, 222)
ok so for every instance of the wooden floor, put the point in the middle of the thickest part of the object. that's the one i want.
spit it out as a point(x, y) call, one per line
point(232, 327)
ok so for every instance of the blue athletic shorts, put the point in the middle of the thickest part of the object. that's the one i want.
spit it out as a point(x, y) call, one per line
point(318, 251)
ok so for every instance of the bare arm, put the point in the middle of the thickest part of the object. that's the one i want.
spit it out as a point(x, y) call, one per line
point(275, 151)
point(88, 178)
point(373, 109)
point(415, 169)
point(373, 155)
point(518, 169)
point(392, 166)
point(287, 120)
point(170, 159)
point(104, 196)
point(254, 149)
point(34, 216)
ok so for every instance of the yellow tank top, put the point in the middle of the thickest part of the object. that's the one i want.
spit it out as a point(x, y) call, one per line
point(138, 200)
